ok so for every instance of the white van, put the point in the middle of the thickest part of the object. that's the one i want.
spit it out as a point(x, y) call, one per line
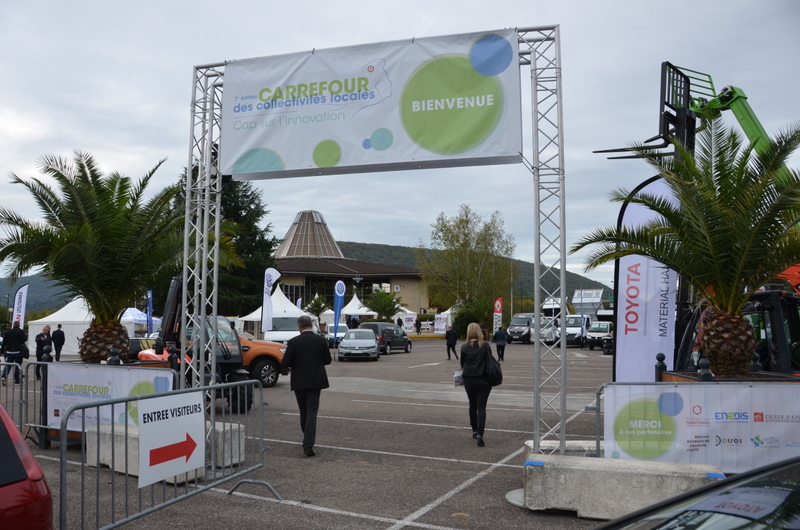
point(576, 327)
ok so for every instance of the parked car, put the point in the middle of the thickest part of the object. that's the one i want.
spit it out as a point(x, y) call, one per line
point(359, 344)
point(390, 336)
point(549, 332)
point(762, 498)
point(25, 497)
point(262, 359)
point(576, 327)
point(520, 328)
point(597, 332)
point(285, 328)
point(340, 332)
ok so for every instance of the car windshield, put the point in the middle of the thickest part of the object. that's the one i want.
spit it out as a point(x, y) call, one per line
point(517, 321)
point(361, 334)
point(284, 324)
point(573, 322)
point(599, 326)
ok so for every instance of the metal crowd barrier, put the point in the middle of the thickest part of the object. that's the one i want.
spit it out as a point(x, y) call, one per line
point(105, 492)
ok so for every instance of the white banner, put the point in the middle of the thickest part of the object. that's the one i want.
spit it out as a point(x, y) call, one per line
point(270, 277)
point(645, 304)
point(645, 318)
point(72, 384)
point(20, 300)
point(430, 102)
point(736, 427)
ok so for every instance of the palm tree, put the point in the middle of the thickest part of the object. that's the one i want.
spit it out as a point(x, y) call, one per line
point(386, 305)
point(99, 237)
point(729, 228)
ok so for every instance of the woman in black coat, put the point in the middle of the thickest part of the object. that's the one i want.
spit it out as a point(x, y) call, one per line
point(473, 364)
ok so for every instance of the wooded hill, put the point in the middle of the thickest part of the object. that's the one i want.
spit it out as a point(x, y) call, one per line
point(405, 257)
point(44, 295)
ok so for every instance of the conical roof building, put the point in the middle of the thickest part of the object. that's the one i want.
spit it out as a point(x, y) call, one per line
point(308, 237)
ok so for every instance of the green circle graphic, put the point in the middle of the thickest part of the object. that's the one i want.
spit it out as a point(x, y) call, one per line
point(142, 388)
point(327, 153)
point(448, 108)
point(642, 431)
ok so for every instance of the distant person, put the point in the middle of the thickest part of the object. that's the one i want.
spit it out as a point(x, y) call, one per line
point(13, 340)
point(473, 363)
point(306, 355)
point(42, 340)
point(399, 322)
point(451, 339)
point(58, 341)
point(418, 326)
point(500, 339)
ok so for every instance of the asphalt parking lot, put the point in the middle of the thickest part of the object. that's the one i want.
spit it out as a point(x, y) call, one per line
point(394, 450)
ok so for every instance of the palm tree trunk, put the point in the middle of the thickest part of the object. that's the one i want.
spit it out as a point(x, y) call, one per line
point(729, 343)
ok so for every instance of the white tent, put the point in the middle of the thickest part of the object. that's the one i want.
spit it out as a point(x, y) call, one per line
point(355, 308)
point(281, 308)
point(75, 318)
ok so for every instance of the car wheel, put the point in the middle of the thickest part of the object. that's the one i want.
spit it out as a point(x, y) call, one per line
point(591, 346)
point(341, 359)
point(408, 347)
point(240, 399)
point(267, 372)
point(388, 350)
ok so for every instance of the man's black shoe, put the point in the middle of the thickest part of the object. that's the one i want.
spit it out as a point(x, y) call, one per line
point(309, 452)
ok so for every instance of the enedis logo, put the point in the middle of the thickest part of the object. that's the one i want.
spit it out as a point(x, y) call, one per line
point(732, 417)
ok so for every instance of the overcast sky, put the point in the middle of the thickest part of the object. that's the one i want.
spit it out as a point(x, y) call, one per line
point(115, 79)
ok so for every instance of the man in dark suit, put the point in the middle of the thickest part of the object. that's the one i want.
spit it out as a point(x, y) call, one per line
point(58, 341)
point(306, 355)
point(451, 338)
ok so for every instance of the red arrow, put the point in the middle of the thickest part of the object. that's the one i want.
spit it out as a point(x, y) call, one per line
point(159, 455)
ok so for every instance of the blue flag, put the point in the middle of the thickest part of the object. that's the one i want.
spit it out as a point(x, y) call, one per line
point(338, 302)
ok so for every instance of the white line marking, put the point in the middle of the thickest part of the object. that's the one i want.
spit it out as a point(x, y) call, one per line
point(426, 364)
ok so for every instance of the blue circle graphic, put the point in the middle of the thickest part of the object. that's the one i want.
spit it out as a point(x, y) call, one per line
point(491, 55)
point(670, 404)
point(258, 160)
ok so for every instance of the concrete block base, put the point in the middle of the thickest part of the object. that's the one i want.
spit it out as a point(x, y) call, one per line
point(106, 449)
point(600, 488)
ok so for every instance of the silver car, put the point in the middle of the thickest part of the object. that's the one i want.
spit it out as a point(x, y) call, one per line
point(359, 344)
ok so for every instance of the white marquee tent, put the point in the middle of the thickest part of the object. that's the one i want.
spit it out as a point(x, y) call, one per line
point(281, 308)
point(75, 318)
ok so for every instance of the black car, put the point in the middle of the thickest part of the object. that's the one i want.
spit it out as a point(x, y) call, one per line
point(390, 336)
point(763, 498)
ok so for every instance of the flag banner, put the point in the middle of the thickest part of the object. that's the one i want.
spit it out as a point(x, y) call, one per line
point(20, 300)
point(270, 277)
point(338, 302)
point(645, 305)
point(498, 314)
point(431, 102)
point(149, 312)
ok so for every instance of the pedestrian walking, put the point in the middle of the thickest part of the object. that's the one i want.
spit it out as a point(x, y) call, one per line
point(473, 363)
point(42, 340)
point(500, 339)
point(306, 355)
point(58, 341)
point(13, 341)
point(418, 326)
point(451, 339)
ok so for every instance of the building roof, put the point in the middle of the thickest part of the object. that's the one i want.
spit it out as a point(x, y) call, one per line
point(340, 267)
point(309, 248)
point(308, 237)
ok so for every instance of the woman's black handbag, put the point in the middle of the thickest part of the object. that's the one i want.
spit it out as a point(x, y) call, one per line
point(494, 373)
point(26, 353)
